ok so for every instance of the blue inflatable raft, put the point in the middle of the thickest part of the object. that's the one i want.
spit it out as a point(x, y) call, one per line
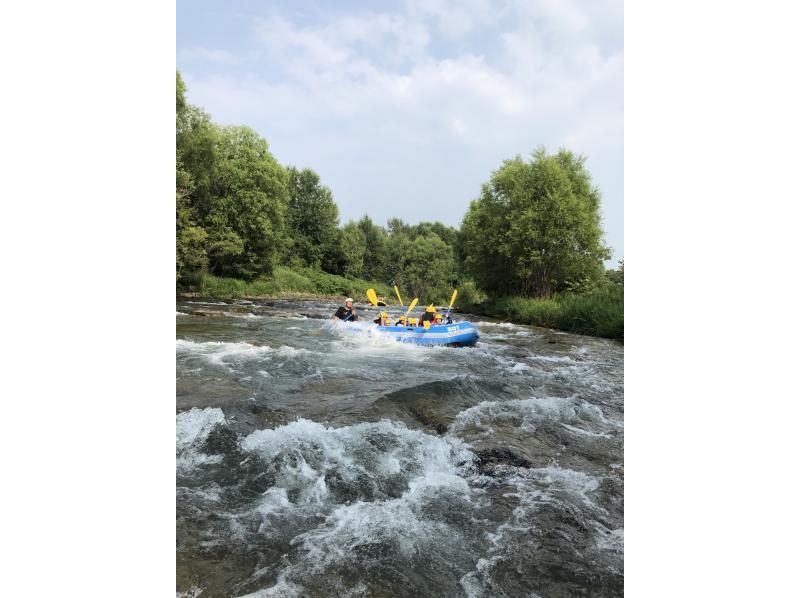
point(458, 334)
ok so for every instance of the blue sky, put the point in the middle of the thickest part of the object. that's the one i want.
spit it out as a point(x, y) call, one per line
point(405, 108)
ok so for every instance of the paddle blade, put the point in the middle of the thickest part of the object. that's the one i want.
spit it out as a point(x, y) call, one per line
point(373, 298)
point(453, 298)
point(397, 292)
point(412, 306)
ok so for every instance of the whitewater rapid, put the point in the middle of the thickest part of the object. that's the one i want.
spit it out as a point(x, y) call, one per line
point(316, 462)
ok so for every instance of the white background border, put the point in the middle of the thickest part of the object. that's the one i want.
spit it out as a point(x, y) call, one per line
point(711, 138)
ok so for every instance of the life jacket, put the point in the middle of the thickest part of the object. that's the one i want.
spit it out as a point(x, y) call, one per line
point(346, 314)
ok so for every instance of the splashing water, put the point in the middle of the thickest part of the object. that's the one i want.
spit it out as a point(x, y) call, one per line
point(317, 461)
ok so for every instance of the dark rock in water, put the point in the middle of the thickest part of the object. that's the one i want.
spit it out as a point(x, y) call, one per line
point(204, 312)
point(222, 441)
point(316, 316)
point(428, 416)
point(488, 458)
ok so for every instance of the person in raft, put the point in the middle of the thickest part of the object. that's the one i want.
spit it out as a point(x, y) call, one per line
point(383, 319)
point(428, 316)
point(346, 313)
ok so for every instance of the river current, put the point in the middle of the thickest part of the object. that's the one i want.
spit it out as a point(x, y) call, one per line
point(313, 459)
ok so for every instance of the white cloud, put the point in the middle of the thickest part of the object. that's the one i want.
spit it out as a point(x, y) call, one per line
point(209, 55)
point(456, 21)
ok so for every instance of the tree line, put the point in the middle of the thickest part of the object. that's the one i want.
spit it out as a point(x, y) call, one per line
point(533, 231)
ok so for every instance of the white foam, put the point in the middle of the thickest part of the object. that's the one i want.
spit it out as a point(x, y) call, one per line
point(552, 358)
point(208, 303)
point(281, 589)
point(221, 353)
point(613, 540)
point(191, 430)
point(180, 313)
point(362, 339)
point(275, 500)
point(496, 324)
point(583, 432)
point(575, 482)
point(193, 426)
point(527, 414)
point(303, 453)
point(219, 349)
point(396, 522)
point(475, 582)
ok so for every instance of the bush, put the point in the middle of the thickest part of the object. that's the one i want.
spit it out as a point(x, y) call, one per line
point(468, 294)
point(283, 280)
point(597, 313)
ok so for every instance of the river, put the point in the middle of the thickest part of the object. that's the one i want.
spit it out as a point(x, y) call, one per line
point(317, 461)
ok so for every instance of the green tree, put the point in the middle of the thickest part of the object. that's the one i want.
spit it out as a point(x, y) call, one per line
point(617, 277)
point(535, 229)
point(353, 249)
point(190, 238)
point(396, 226)
point(375, 259)
point(313, 218)
point(422, 267)
point(180, 98)
point(247, 206)
point(448, 234)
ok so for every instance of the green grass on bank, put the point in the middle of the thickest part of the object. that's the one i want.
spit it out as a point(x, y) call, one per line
point(283, 281)
point(598, 313)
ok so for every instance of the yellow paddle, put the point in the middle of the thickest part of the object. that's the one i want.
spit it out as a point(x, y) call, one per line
point(452, 300)
point(398, 295)
point(410, 307)
point(373, 298)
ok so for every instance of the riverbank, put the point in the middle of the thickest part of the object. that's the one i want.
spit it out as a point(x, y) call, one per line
point(599, 313)
point(284, 283)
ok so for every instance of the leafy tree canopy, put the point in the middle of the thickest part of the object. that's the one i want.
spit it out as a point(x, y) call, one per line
point(535, 229)
point(313, 218)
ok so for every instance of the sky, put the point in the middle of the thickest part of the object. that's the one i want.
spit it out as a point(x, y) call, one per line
point(405, 108)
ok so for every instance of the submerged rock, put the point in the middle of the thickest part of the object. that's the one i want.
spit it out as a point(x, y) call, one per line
point(488, 458)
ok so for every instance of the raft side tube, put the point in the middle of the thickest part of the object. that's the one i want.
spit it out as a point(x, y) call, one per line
point(462, 334)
